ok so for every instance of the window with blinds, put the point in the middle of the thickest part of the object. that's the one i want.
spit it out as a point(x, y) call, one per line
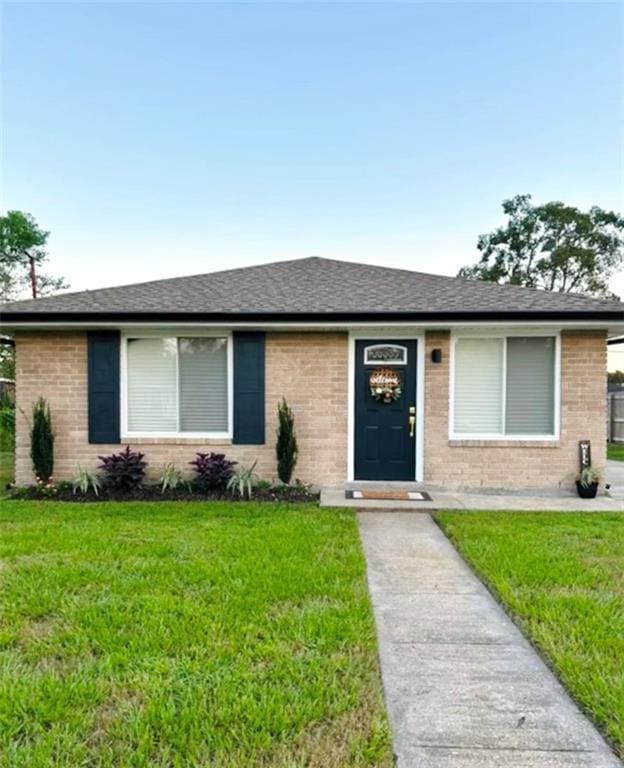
point(203, 385)
point(479, 386)
point(530, 386)
point(177, 385)
point(504, 386)
point(152, 386)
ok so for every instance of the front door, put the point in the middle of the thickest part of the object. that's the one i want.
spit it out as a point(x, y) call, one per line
point(385, 410)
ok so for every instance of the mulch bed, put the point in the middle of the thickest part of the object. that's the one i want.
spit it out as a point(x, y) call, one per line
point(291, 494)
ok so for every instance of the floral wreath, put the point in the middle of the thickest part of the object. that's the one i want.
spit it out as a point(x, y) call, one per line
point(385, 385)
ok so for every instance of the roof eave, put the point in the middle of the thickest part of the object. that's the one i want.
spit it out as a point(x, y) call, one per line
point(322, 318)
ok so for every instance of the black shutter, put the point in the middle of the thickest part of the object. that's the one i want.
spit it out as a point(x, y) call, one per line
point(103, 387)
point(249, 388)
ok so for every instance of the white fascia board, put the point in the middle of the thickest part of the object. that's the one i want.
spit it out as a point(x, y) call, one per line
point(613, 331)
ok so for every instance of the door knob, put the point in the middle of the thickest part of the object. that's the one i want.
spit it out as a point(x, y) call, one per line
point(412, 424)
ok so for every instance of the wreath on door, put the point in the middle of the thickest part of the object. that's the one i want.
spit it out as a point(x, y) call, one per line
point(385, 385)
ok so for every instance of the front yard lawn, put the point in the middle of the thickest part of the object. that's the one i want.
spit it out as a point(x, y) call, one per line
point(615, 451)
point(186, 634)
point(562, 577)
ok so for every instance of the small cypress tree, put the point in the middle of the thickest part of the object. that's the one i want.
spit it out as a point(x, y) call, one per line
point(286, 447)
point(42, 441)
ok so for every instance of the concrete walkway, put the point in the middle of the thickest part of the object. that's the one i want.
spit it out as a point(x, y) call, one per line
point(615, 477)
point(463, 688)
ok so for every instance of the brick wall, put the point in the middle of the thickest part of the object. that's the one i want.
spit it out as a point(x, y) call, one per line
point(520, 464)
point(309, 369)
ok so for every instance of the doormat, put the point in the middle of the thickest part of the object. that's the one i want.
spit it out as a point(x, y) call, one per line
point(389, 495)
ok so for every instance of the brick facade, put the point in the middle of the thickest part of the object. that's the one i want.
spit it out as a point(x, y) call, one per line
point(521, 464)
point(311, 371)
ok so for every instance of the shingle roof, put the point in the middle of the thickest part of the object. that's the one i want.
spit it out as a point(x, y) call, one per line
point(311, 286)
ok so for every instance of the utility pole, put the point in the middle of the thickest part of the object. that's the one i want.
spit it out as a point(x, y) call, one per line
point(33, 276)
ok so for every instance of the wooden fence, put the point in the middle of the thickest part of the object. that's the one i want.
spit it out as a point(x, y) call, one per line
point(615, 418)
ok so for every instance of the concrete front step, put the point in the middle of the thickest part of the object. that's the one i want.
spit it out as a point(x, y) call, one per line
point(381, 485)
point(334, 496)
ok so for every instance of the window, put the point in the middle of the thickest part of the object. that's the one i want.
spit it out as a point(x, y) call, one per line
point(504, 387)
point(177, 385)
point(530, 386)
point(385, 353)
point(152, 385)
point(479, 386)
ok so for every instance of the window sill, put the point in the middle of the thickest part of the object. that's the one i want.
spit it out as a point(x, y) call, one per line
point(504, 443)
point(176, 440)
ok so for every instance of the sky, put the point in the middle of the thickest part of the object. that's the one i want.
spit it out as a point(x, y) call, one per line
point(161, 139)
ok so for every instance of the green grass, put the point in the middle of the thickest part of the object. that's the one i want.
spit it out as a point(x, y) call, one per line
point(562, 577)
point(186, 634)
point(615, 451)
point(7, 470)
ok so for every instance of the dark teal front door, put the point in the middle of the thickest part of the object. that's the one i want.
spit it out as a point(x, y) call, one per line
point(385, 409)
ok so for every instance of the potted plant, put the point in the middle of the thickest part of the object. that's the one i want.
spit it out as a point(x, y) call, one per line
point(588, 482)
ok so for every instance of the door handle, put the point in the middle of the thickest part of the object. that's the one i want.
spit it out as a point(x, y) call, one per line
point(412, 424)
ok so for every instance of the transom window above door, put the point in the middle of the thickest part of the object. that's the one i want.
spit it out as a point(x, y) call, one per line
point(177, 385)
point(385, 353)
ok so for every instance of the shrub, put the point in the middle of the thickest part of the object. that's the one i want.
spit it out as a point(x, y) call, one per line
point(123, 471)
point(87, 481)
point(172, 478)
point(242, 481)
point(590, 476)
point(286, 447)
point(20, 491)
point(42, 441)
point(7, 423)
point(46, 489)
point(212, 470)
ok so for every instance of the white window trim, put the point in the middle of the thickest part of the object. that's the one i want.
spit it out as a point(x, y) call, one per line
point(128, 435)
point(404, 361)
point(504, 334)
point(388, 332)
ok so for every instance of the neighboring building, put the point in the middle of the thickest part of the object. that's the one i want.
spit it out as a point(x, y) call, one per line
point(479, 385)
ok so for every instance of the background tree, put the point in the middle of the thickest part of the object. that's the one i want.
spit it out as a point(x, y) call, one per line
point(22, 252)
point(7, 358)
point(616, 378)
point(553, 246)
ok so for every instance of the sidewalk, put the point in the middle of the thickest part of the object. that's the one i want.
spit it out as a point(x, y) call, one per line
point(463, 687)
point(615, 477)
